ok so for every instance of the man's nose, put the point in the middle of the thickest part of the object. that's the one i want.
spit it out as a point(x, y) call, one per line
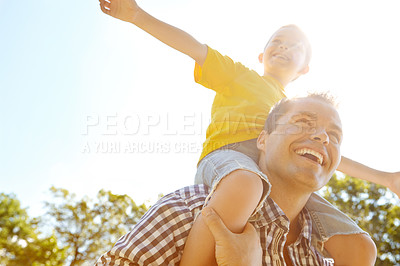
point(321, 136)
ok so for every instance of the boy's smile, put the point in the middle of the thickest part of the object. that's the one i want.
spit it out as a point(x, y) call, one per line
point(286, 55)
point(280, 56)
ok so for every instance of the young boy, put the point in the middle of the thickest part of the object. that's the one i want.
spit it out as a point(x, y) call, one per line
point(229, 156)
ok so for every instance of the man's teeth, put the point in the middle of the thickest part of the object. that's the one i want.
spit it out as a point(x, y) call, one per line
point(312, 152)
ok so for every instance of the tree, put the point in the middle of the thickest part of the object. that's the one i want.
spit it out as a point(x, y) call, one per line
point(20, 240)
point(374, 209)
point(88, 228)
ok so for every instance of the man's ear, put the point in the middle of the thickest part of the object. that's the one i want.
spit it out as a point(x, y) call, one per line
point(260, 57)
point(261, 141)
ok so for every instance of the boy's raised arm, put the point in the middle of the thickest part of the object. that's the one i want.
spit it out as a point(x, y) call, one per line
point(129, 11)
point(358, 170)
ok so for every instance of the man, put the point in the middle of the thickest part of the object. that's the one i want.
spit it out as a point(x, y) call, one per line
point(299, 152)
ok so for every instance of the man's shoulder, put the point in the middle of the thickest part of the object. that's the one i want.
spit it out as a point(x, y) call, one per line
point(160, 235)
point(192, 190)
point(186, 193)
point(186, 198)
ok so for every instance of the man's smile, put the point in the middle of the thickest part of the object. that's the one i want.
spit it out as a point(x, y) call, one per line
point(311, 154)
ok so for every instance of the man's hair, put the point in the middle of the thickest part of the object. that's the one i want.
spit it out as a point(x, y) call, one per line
point(281, 108)
point(307, 44)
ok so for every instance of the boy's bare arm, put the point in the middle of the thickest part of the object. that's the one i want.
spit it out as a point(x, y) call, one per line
point(129, 11)
point(234, 200)
point(358, 170)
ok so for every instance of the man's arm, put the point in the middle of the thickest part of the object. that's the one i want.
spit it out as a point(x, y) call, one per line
point(230, 248)
point(358, 170)
point(129, 11)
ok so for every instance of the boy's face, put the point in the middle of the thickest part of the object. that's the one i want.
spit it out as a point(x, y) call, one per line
point(286, 53)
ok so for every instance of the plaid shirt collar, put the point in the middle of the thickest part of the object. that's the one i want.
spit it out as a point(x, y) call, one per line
point(272, 213)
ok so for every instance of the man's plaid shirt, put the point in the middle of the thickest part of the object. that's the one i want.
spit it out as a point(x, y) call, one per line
point(159, 237)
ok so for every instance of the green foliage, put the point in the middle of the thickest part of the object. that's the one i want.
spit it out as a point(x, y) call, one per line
point(374, 208)
point(87, 228)
point(20, 241)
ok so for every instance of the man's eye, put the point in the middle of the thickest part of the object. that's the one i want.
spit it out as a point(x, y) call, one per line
point(334, 137)
point(276, 41)
point(305, 122)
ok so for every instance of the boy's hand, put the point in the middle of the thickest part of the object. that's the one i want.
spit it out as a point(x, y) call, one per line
point(125, 10)
point(230, 248)
point(129, 11)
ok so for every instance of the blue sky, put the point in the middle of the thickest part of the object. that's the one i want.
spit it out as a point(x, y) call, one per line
point(65, 65)
point(41, 93)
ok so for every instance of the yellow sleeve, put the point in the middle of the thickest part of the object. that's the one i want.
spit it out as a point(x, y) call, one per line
point(218, 71)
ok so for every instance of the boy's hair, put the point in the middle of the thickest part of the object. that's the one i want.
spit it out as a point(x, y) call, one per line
point(307, 44)
point(281, 108)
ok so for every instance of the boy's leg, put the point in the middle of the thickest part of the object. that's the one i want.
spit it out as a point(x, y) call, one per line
point(336, 233)
point(328, 220)
point(238, 188)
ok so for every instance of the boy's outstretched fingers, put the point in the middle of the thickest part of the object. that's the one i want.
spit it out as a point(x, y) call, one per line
point(125, 10)
point(230, 248)
point(105, 6)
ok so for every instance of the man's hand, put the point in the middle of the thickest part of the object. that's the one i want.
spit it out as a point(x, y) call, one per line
point(125, 10)
point(233, 249)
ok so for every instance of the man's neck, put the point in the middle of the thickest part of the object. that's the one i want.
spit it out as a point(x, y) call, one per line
point(290, 201)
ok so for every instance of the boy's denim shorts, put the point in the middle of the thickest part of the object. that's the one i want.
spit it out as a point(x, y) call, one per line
point(327, 219)
point(220, 163)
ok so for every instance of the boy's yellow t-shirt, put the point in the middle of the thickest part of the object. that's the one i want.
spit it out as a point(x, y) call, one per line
point(242, 101)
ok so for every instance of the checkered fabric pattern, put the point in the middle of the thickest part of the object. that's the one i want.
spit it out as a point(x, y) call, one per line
point(159, 237)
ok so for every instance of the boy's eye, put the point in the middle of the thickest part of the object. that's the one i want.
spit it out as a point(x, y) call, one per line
point(296, 45)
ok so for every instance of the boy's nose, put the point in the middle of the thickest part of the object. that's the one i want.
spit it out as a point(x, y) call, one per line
point(283, 46)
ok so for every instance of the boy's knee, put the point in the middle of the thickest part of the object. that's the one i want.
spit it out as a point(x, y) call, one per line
point(236, 197)
point(242, 185)
point(354, 249)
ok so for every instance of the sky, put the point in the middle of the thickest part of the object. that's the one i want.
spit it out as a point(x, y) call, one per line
point(88, 102)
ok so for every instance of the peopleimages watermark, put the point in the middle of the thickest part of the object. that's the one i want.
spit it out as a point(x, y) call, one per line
point(166, 133)
point(131, 147)
point(146, 124)
point(135, 133)
point(167, 123)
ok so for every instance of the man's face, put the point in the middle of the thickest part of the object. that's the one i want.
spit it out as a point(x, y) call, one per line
point(304, 148)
